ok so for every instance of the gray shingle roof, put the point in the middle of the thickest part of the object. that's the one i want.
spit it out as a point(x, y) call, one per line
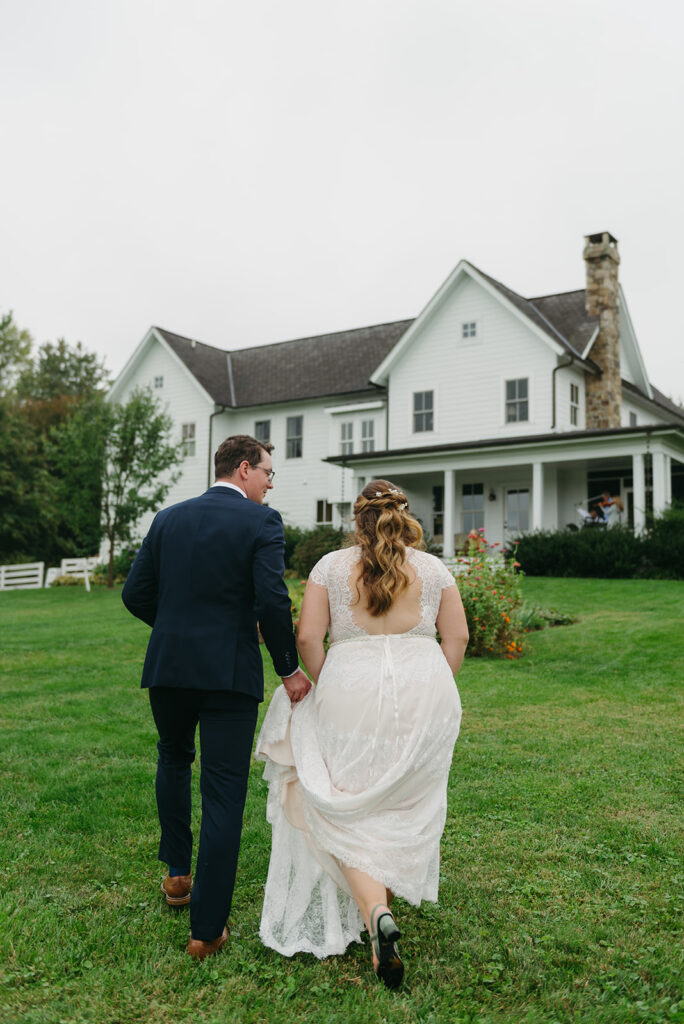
point(561, 316)
point(666, 404)
point(327, 364)
point(342, 363)
point(208, 364)
point(567, 314)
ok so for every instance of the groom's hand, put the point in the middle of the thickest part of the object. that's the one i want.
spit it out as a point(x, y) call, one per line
point(297, 686)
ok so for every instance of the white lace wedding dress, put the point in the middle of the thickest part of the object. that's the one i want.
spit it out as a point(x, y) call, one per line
point(357, 771)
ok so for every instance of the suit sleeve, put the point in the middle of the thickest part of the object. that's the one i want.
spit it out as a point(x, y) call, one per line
point(141, 589)
point(273, 605)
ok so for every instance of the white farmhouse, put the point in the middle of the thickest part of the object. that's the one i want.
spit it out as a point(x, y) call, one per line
point(490, 410)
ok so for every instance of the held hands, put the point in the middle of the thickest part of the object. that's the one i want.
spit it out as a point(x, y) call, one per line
point(297, 686)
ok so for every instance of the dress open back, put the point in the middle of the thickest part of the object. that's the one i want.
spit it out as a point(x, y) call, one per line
point(357, 771)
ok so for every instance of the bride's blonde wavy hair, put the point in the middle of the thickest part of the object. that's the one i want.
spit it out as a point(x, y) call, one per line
point(384, 529)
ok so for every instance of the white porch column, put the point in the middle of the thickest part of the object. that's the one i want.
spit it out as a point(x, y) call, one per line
point(639, 491)
point(448, 544)
point(659, 483)
point(668, 479)
point(537, 495)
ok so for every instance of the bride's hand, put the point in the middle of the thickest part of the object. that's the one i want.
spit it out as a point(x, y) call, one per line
point(297, 686)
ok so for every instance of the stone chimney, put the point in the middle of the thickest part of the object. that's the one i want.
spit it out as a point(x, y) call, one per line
point(603, 392)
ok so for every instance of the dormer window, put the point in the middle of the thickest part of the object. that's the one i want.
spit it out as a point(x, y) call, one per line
point(159, 382)
point(469, 329)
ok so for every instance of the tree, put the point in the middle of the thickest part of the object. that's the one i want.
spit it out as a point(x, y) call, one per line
point(61, 370)
point(27, 505)
point(15, 352)
point(62, 396)
point(138, 467)
point(75, 454)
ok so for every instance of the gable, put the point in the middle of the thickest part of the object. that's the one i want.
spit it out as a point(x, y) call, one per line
point(138, 368)
point(529, 312)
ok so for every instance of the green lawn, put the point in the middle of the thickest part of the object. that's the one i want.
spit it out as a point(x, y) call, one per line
point(561, 893)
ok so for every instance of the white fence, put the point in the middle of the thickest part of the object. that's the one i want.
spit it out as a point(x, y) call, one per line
point(28, 576)
point(32, 575)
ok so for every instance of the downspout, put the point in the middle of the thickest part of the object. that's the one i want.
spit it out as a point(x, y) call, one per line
point(210, 475)
point(561, 366)
point(216, 412)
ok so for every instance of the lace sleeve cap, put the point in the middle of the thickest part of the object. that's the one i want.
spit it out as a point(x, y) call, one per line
point(319, 572)
point(446, 577)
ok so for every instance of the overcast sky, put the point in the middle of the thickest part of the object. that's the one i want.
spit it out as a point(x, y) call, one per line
point(251, 172)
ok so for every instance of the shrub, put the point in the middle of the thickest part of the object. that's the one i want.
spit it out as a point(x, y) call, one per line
point(122, 564)
point(664, 545)
point(613, 553)
point(490, 590)
point(293, 536)
point(314, 545)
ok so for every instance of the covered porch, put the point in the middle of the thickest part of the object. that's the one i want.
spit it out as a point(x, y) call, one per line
point(534, 484)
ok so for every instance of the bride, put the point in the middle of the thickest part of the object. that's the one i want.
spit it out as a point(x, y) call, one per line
point(358, 770)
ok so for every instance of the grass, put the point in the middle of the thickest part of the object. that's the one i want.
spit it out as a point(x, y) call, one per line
point(561, 891)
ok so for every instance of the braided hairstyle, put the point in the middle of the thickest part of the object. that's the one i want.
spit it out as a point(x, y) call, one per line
point(384, 529)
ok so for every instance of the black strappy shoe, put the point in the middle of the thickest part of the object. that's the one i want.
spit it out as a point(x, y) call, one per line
point(390, 969)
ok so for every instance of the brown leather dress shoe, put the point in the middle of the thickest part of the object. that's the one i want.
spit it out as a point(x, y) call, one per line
point(177, 890)
point(199, 949)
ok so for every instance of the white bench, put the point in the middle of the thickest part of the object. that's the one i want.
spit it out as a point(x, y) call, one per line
point(28, 576)
point(79, 568)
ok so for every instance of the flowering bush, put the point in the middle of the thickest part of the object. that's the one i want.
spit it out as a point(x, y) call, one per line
point(490, 590)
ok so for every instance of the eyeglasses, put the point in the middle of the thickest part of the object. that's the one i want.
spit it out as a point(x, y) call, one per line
point(270, 473)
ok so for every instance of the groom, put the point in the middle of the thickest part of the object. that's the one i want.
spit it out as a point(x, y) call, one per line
point(209, 569)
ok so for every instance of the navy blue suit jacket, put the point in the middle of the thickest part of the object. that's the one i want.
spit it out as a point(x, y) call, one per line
point(209, 569)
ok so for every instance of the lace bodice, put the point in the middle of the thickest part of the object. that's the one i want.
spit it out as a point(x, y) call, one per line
point(334, 571)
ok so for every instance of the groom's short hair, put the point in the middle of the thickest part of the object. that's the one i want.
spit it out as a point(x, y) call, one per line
point(236, 449)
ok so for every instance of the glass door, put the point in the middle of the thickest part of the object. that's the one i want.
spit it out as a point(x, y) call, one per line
point(517, 511)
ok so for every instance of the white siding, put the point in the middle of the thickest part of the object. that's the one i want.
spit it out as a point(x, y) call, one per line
point(468, 375)
point(184, 402)
point(645, 414)
point(298, 483)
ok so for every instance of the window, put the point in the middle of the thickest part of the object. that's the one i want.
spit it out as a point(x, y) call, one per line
point(346, 438)
point(324, 511)
point(423, 411)
point(188, 438)
point(473, 507)
point(517, 408)
point(632, 419)
point(294, 433)
point(345, 510)
point(367, 435)
point(262, 430)
point(159, 382)
point(574, 404)
point(469, 330)
point(438, 510)
point(517, 511)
